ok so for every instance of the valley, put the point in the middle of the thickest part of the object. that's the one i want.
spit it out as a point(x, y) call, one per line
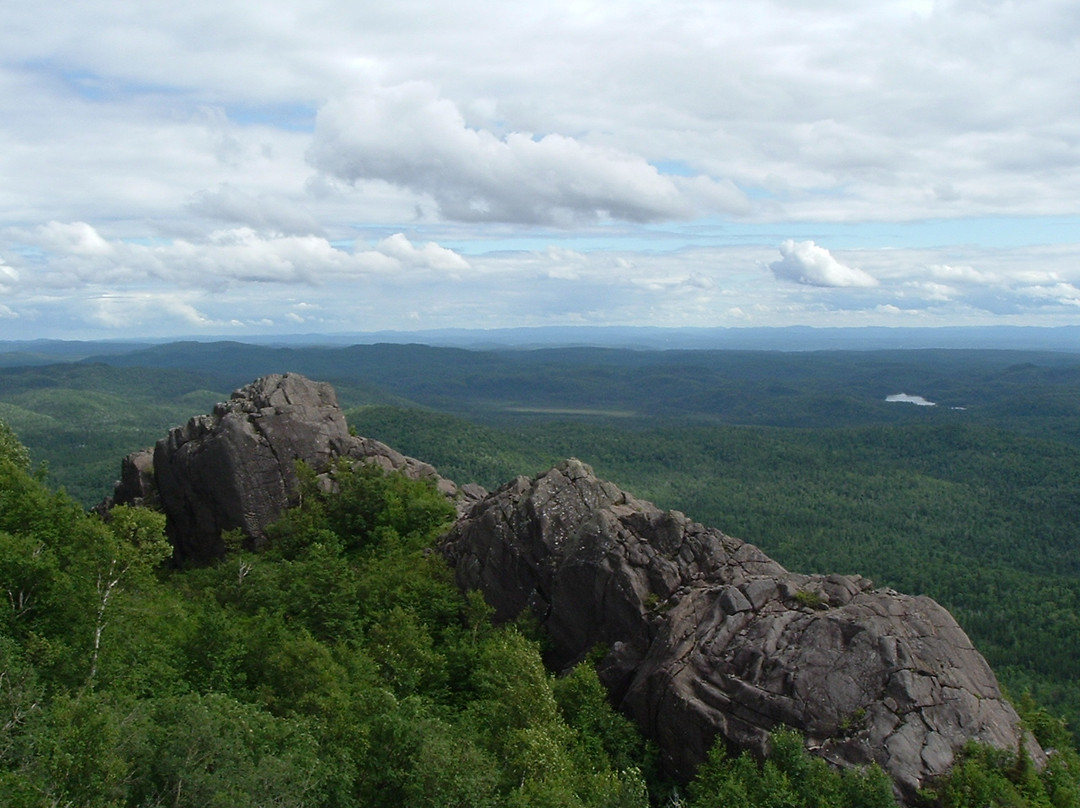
point(975, 501)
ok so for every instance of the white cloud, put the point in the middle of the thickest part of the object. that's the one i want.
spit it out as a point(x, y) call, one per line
point(182, 154)
point(410, 136)
point(8, 276)
point(429, 255)
point(230, 204)
point(80, 255)
point(806, 263)
point(1062, 294)
point(120, 311)
point(958, 274)
point(931, 290)
point(75, 238)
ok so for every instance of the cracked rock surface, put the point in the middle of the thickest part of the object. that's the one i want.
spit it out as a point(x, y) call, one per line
point(708, 636)
point(236, 467)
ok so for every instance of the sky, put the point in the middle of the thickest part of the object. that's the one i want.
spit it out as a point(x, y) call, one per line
point(237, 168)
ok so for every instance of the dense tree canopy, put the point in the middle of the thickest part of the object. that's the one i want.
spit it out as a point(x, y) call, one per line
point(341, 668)
point(982, 519)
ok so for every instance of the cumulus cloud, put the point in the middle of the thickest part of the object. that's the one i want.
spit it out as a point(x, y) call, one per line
point(8, 276)
point(408, 135)
point(1061, 294)
point(958, 274)
point(228, 203)
point(806, 263)
point(931, 290)
point(132, 310)
point(429, 255)
point(80, 255)
point(73, 238)
point(152, 164)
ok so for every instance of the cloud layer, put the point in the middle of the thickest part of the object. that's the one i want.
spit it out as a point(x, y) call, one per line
point(408, 136)
point(334, 164)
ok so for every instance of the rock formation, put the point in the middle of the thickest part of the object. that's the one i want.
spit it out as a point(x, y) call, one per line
point(708, 636)
point(236, 467)
point(703, 635)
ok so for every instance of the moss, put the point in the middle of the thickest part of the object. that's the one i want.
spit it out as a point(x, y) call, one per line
point(810, 599)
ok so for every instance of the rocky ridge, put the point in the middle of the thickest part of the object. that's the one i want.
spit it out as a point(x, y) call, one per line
point(708, 636)
point(235, 468)
point(701, 634)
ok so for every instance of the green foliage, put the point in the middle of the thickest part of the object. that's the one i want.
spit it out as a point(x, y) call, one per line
point(985, 776)
point(605, 733)
point(211, 751)
point(81, 419)
point(809, 599)
point(367, 510)
point(982, 519)
point(343, 668)
point(11, 450)
point(788, 778)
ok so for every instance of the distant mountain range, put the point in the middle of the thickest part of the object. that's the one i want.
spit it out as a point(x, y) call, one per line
point(794, 338)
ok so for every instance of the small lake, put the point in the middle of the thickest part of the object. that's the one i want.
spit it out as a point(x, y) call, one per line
point(918, 401)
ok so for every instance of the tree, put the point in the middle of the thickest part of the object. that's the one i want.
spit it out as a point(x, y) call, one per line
point(134, 546)
point(11, 451)
point(788, 778)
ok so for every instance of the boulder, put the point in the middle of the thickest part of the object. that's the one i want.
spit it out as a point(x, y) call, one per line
point(703, 635)
point(235, 468)
point(136, 484)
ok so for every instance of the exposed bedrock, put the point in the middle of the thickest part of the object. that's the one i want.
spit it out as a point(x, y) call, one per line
point(707, 635)
point(236, 467)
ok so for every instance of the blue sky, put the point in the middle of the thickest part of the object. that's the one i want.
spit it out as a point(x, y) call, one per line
point(239, 168)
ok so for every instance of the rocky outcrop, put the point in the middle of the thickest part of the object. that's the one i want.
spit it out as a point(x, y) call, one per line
point(236, 467)
point(708, 636)
point(702, 635)
point(136, 485)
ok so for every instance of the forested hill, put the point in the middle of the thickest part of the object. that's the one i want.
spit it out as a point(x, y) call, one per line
point(800, 453)
point(810, 389)
point(81, 417)
point(342, 668)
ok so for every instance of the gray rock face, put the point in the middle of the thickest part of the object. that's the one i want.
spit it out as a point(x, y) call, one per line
point(236, 467)
point(709, 636)
point(136, 485)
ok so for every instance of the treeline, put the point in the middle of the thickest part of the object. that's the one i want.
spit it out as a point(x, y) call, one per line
point(342, 668)
point(984, 520)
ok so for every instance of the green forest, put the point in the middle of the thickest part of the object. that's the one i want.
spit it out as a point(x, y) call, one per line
point(344, 669)
point(983, 520)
